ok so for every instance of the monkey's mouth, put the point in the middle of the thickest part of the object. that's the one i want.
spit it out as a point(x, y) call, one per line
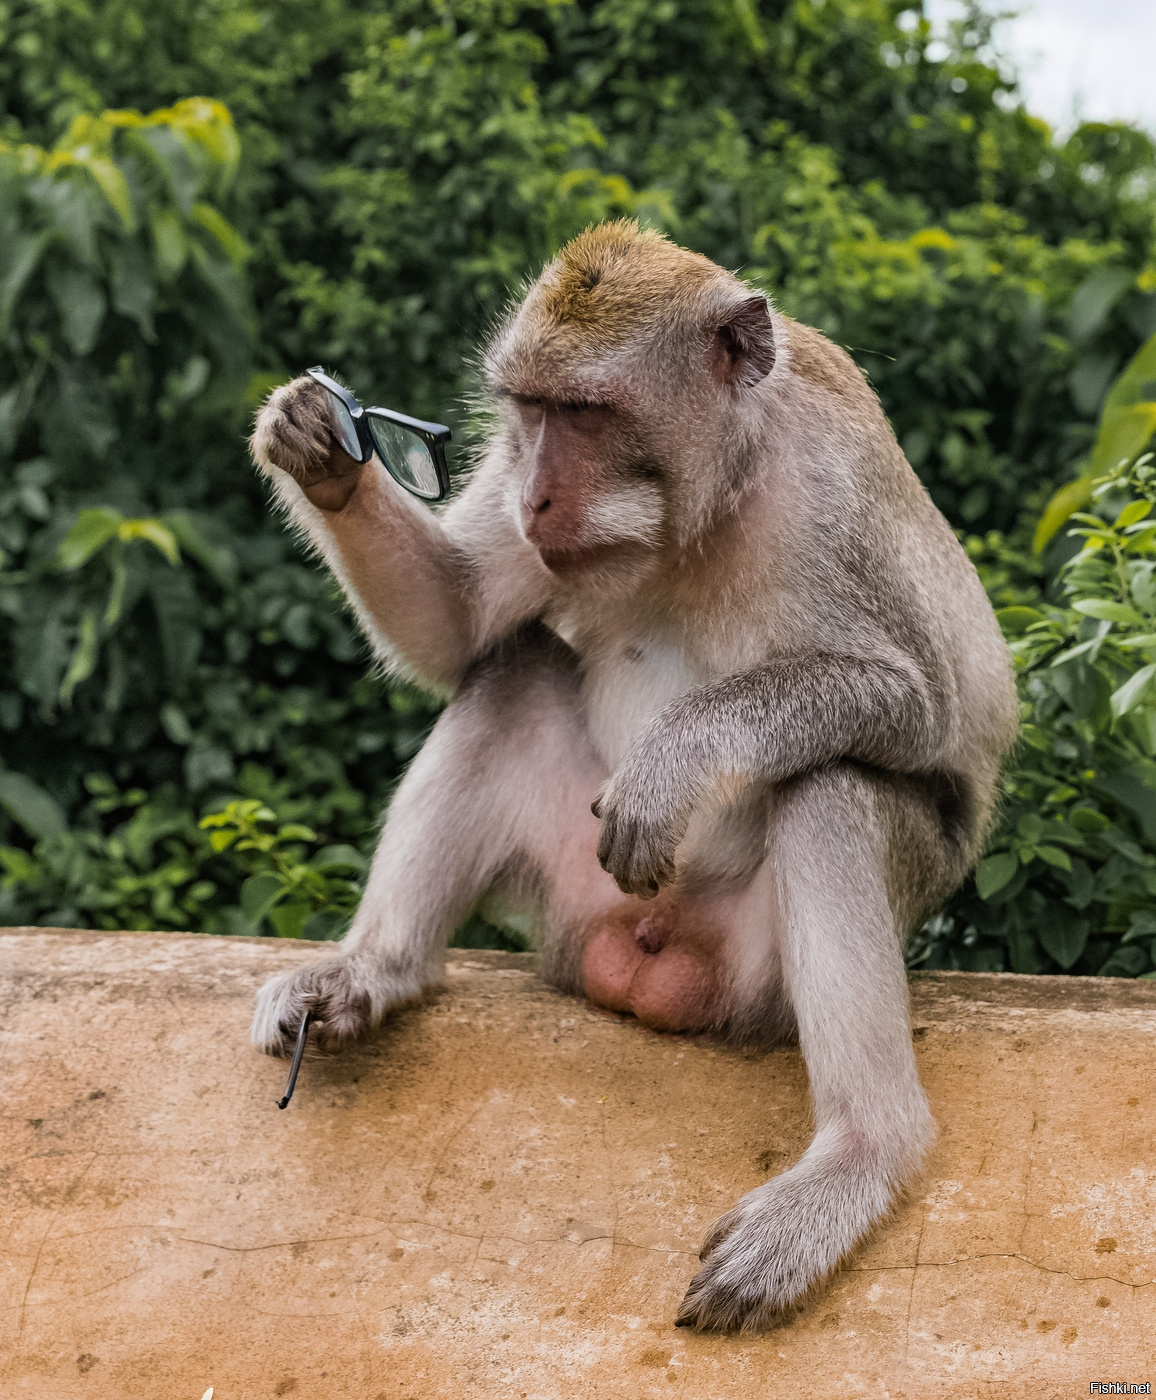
point(565, 562)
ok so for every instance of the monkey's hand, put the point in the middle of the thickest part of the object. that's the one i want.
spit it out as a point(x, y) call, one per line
point(335, 992)
point(294, 433)
point(645, 809)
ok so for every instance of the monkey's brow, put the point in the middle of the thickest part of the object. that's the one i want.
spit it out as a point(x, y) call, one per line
point(536, 401)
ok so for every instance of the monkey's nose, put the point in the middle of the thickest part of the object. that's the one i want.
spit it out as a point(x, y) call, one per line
point(534, 509)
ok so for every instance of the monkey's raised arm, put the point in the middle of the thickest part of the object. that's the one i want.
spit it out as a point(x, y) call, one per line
point(768, 724)
point(418, 587)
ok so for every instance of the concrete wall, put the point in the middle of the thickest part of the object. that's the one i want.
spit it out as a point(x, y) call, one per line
point(503, 1193)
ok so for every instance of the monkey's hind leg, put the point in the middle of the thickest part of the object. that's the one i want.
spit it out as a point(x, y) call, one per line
point(505, 763)
point(843, 972)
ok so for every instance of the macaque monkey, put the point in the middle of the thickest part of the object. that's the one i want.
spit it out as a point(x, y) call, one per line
point(727, 703)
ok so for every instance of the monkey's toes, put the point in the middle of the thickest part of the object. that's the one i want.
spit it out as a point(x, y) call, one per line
point(738, 1288)
point(759, 1262)
point(713, 1304)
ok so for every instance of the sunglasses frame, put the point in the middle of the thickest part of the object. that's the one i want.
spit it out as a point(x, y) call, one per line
point(433, 435)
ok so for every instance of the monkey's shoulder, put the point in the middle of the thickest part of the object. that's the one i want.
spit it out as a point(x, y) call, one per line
point(821, 363)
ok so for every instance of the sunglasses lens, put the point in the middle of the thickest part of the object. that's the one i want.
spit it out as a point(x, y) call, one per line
point(344, 426)
point(405, 456)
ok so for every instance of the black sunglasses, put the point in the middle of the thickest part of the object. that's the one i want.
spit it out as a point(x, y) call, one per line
point(412, 451)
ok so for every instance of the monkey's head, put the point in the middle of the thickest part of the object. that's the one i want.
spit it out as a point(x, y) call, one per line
point(629, 380)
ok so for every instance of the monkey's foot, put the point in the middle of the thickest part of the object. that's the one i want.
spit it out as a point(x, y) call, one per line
point(645, 961)
point(335, 992)
point(762, 1258)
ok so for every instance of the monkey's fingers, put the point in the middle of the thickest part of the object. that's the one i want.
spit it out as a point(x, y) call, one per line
point(340, 1009)
point(293, 430)
point(731, 1292)
point(640, 861)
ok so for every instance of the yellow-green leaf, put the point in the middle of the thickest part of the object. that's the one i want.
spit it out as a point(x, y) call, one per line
point(158, 535)
point(91, 532)
point(1132, 691)
point(232, 244)
point(1066, 501)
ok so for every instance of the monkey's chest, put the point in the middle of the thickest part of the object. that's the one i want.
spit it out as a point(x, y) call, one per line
point(625, 689)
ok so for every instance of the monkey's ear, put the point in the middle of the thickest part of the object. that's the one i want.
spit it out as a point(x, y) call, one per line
point(743, 346)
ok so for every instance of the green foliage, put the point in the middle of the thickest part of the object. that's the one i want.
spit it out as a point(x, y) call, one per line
point(301, 896)
point(162, 649)
point(1127, 423)
point(406, 165)
point(401, 168)
point(1069, 879)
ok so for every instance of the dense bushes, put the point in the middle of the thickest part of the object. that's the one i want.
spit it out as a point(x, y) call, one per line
point(400, 168)
point(1069, 881)
point(405, 164)
point(161, 654)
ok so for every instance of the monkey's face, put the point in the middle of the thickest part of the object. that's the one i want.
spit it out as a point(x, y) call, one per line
point(588, 493)
point(630, 378)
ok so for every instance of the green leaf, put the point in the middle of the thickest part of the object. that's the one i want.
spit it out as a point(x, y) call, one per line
point(1054, 856)
point(1133, 691)
point(84, 658)
point(175, 724)
point(994, 873)
point(289, 919)
point(260, 893)
point(1016, 620)
point(1132, 512)
point(169, 244)
point(1094, 299)
point(230, 241)
point(19, 262)
point(1063, 936)
point(1063, 504)
point(325, 924)
point(133, 292)
point(1127, 423)
point(1132, 792)
point(80, 303)
point(91, 532)
point(218, 559)
point(338, 858)
point(1141, 925)
point(1128, 419)
point(1125, 962)
point(27, 803)
point(1108, 612)
point(156, 533)
point(110, 181)
point(294, 831)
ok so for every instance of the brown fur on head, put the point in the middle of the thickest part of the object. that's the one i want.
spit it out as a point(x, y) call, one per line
point(670, 350)
point(615, 288)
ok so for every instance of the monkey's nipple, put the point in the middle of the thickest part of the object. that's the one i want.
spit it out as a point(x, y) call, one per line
point(650, 935)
